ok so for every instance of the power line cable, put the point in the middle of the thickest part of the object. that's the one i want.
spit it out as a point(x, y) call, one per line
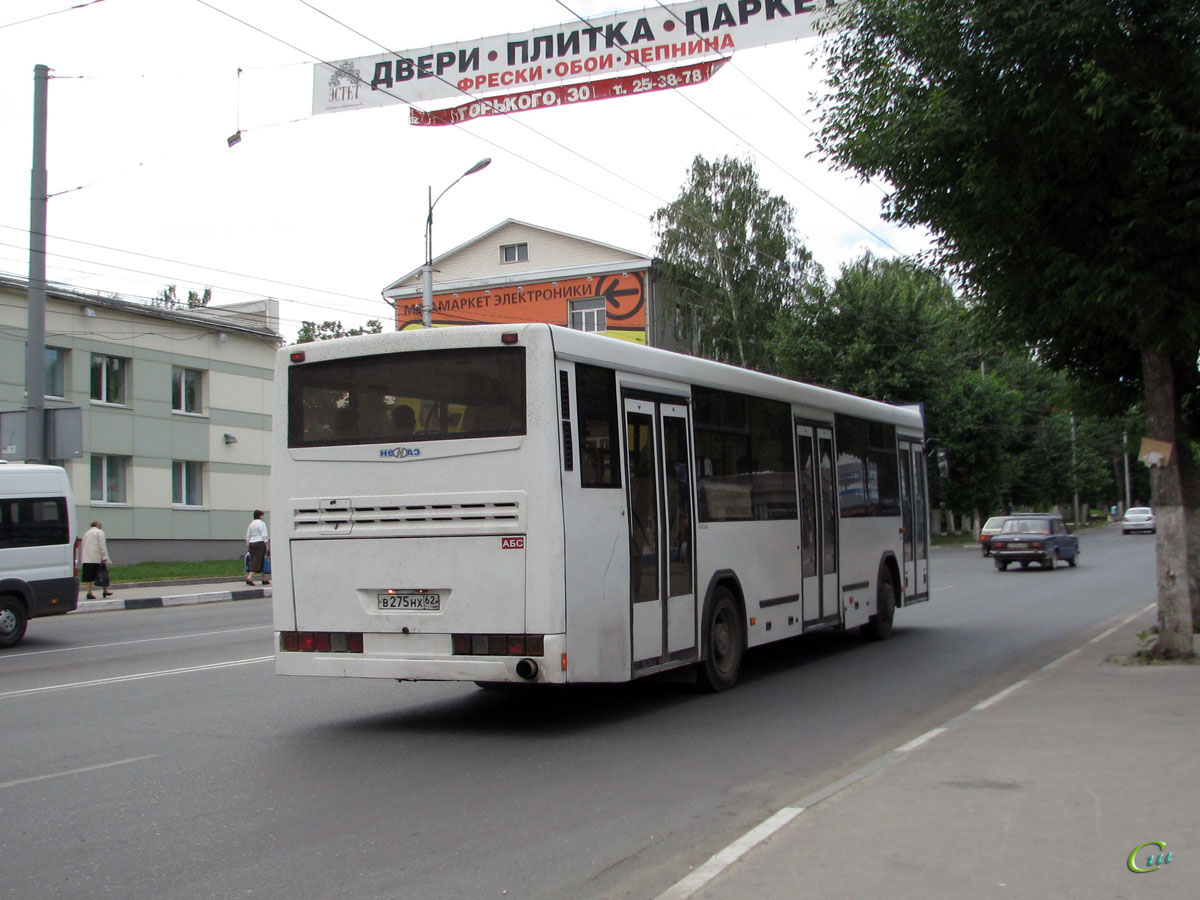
point(49, 14)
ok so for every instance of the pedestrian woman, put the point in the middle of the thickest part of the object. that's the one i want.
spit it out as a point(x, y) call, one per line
point(258, 545)
point(93, 555)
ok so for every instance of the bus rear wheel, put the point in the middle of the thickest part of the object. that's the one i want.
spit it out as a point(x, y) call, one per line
point(879, 626)
point(723, 642)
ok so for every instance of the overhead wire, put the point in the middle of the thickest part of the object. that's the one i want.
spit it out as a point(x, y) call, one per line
point(49, 14)
point(559, 175)
point(703, 224)
point(593, 162)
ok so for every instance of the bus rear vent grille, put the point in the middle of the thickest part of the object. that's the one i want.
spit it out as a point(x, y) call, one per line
point(340, 515)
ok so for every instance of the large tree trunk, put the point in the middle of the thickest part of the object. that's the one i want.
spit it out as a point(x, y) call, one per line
point(1174, 605)
point(1190, 479)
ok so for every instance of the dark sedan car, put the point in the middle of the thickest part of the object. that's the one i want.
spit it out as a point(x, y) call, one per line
point(1030, 539)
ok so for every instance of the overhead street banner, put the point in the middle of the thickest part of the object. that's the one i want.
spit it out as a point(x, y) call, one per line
point(671, 34)
point(568, 94)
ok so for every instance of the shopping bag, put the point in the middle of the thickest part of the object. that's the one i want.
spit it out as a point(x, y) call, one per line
point(102, 576)
point(247, 561)
point(267, 564)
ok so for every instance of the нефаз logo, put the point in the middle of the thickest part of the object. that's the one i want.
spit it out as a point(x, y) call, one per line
point(401, 452)
point(1153, 861)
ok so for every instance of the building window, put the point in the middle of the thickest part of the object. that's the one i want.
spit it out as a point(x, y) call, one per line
point(56, 372)
point(589, 315)
point(108, 479)
point(186, 394)
point(187, 483)
point(109, 375)
point(510, 253)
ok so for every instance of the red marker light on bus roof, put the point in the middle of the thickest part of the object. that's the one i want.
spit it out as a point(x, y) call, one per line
point(509, 337)
point(297, 356)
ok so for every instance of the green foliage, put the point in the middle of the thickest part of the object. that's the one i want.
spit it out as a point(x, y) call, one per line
point(886, 329)
point(311, 331)
point(973, 419)
point(169, 299)
point(730, 249)
point(1053, 148)
point(163, 571)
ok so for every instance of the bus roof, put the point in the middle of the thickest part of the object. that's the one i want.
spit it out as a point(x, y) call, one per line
point(654, 362)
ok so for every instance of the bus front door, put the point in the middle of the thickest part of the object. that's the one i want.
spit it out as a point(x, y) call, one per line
point(659, 486)
point(916, 522)
point(818, 524)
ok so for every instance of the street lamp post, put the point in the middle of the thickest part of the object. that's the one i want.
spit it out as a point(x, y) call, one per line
point(427, 269)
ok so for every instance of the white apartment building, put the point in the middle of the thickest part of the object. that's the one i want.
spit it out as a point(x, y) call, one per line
point(176, 408)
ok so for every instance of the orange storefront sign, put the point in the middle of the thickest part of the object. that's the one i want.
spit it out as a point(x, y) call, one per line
point(624, 296)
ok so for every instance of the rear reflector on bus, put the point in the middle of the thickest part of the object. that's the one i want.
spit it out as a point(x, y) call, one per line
point(321, 641)
point(498, 644)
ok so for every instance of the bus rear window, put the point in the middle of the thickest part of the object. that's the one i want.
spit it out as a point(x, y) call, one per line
point(423, 395)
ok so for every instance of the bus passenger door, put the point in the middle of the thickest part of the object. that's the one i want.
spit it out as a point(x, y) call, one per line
point(659, 499)
point(916, 524)
point(818, 524)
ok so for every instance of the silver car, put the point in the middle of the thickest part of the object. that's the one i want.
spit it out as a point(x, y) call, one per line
point(1138, 518)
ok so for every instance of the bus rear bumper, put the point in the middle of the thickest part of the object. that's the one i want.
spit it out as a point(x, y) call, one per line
point(426, 668)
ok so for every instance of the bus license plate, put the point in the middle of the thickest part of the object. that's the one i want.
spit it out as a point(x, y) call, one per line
point(410, 601)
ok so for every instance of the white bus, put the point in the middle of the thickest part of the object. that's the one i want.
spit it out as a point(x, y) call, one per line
point(534, 504)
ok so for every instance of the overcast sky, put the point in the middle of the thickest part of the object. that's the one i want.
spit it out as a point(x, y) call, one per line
point(321, 212)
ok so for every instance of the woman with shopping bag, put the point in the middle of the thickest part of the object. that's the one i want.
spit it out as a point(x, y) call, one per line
point(258, 549)
point(94, 561)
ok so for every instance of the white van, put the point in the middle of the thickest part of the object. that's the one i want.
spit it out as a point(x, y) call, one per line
point(38, 547)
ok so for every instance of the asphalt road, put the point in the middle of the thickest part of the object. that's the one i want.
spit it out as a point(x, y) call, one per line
point(153, 754)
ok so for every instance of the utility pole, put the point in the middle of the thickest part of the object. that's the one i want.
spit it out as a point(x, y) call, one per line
point(35, 346)
point(1074, 470)
point(1125, 453)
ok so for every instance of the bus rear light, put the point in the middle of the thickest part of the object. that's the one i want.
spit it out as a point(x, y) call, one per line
point(498, 644)
point(321, 641)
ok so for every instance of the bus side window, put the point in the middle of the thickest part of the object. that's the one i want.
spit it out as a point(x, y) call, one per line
point(596, 402)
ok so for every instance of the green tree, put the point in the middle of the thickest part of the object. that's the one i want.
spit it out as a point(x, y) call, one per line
point(731, 252)
point(311, 331)
point(975, 420)
point(1054, 150)
point(887, 329)
point(169, 299)
point(893, 330)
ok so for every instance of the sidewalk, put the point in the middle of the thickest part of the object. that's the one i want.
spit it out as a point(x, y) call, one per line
point(1043, 790)
point(178, 593)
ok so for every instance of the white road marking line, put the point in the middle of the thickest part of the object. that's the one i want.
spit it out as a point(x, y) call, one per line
point(1102, 635)
point(119, 678)
point(1062, 659)
point(996, 698)
point(918, 741)
point(107, 765)
point(171, 637)
point(721, 860)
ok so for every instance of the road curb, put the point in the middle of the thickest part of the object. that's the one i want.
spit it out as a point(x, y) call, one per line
point(174, 600)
